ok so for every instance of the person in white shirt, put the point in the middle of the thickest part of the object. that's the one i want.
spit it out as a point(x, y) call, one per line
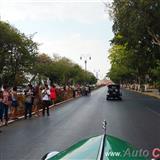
point(46, 99)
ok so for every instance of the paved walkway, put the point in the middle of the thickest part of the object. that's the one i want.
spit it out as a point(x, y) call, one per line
point(153, 93)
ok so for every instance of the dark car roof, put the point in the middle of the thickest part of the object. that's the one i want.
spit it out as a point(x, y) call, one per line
point(116, 85)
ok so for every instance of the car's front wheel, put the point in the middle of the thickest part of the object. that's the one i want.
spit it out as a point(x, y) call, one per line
point(107, 98)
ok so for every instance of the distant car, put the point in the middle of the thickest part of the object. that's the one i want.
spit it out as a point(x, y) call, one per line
point(114, 92)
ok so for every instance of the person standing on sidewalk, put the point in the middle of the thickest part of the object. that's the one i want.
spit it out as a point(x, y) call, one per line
point(53, 94)
point(14, 102)
point(28, 101)
point(37, 100)
point(1, 108)
point(6, 103)
point(46, 99)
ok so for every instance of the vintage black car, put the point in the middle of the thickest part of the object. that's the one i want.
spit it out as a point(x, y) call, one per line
point(114, 92)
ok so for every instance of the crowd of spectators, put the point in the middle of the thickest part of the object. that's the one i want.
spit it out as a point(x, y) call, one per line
point(34, 98)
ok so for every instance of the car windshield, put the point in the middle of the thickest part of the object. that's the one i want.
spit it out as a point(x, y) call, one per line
point(68, 65)
point(113, 87)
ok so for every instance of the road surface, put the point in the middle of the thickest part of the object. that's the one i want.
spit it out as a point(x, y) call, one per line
point(135, 119)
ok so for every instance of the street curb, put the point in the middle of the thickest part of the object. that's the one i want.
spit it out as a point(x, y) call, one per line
point(57, 104)
point(146, 94)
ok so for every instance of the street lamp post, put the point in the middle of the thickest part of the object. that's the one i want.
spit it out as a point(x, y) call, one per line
point(85, 57)
point(97, 73)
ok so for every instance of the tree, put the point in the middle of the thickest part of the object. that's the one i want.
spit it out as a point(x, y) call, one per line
point(136, 27)
point(121, 64)
point(17, 53)
point(61, 70)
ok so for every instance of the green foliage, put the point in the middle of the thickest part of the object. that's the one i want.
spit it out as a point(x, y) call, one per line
point(61, 70)
point(17, 54)
point(19, 58)
point(136, 28)
point(120, 64)
point(156, 72)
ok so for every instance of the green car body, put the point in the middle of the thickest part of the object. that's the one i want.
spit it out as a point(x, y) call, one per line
point(103, 147)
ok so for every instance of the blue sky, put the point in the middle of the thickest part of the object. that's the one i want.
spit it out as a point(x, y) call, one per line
point(68, 28)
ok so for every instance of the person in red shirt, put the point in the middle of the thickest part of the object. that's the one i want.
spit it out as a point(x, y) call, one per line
point(53, 93)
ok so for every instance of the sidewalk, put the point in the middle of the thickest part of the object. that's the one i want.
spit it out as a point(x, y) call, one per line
point(33, 113)
point(153, 93)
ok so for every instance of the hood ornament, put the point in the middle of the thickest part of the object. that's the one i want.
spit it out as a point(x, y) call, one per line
point(104, 126)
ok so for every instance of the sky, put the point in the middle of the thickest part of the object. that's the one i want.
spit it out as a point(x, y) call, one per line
point(70, 28)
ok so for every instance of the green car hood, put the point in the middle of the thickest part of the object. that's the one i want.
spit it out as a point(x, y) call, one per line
point(91, 149)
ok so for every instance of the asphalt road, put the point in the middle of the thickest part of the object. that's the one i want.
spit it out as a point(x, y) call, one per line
point(135, 119)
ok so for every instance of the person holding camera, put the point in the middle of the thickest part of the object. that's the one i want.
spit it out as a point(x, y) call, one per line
point(46, 100)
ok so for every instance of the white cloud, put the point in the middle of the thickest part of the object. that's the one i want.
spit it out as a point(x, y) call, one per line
point(82, 11)
point(71, 46)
